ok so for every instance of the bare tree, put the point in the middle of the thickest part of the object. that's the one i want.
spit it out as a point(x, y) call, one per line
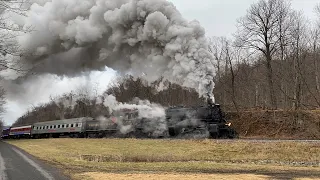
point(298, 43)
point(217, 49)
point(284, 24)
point(223, 53)
point(259, 30)
point(314, 44)
point(229, 56)
point(315, 40)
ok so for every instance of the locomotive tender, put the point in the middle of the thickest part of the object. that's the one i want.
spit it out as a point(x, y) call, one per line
point(208, 120)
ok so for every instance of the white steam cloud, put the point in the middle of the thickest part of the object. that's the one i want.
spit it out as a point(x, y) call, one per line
point(148, 37)
point(151, 116)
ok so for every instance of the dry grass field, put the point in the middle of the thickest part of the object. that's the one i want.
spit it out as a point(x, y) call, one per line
point(177, 159)
point(113, 176)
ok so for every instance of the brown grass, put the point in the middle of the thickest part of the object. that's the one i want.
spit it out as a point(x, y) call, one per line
point(133, 150)
point(206, 156)
point(114, 176)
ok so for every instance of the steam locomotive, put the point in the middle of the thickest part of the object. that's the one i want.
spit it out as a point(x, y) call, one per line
point(202, 120)
point(207, 121)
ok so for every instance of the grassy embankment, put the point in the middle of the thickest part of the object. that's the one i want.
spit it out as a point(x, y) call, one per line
point(177, 159)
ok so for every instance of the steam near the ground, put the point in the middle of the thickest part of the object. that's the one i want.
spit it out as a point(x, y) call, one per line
point(146, 38)
point(153, 116)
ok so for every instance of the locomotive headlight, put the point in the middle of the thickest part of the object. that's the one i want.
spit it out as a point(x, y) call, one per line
point(228, 124)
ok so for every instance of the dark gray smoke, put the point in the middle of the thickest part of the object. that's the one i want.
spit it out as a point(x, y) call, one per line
point(141, 37)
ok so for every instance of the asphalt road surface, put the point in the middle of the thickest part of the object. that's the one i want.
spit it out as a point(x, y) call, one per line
point(16, 164)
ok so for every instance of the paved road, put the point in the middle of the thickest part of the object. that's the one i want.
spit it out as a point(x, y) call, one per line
point(16, 164)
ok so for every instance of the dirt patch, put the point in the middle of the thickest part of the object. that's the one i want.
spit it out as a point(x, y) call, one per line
point(277, 124)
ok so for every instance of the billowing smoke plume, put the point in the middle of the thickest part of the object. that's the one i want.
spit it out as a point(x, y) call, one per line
point(153, 116)
point(140, 37)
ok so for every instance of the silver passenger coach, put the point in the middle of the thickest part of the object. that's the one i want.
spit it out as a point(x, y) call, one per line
point(71, 127)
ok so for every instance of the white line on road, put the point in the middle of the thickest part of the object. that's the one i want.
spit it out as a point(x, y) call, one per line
point(32, 163)
point(3, 175)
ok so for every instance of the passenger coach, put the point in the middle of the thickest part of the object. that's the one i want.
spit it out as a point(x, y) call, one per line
point(20, 132)
point(70, 127)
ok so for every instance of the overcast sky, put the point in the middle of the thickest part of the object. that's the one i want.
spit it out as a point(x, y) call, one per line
point(218, 17)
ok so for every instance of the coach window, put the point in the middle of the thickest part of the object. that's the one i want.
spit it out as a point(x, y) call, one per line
point(54, 126)
point(71, 125)
point(67, 125)
point(50, 127)
point(59, 126)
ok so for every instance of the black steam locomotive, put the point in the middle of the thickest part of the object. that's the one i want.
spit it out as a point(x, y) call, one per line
point(206, 120)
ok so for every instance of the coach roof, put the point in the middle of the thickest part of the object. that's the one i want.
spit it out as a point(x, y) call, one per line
point(81, 119)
